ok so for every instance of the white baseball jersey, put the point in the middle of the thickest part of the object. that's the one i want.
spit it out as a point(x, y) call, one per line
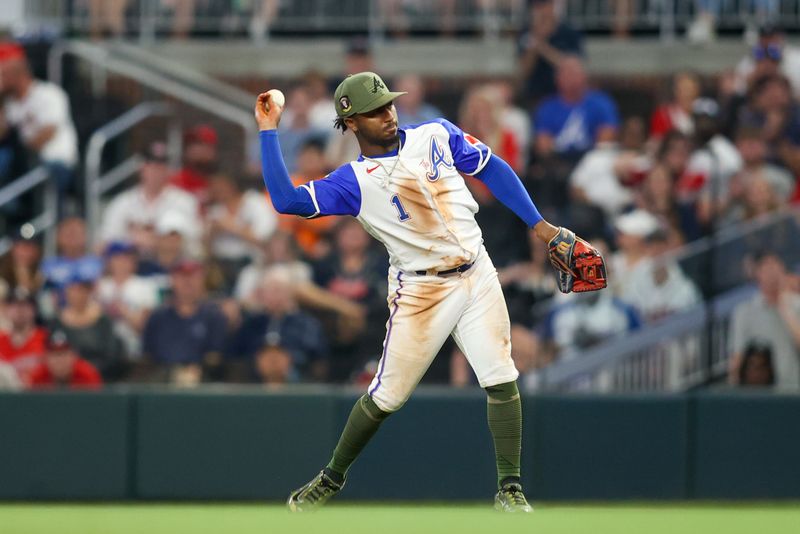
point(416, 203)
point(413, 199)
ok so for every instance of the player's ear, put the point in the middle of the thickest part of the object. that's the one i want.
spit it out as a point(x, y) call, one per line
point(351, 124)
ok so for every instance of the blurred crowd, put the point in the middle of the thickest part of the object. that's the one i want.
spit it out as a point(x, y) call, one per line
point(35, 127)
point(180, 19)
point(699, 20)
point(192, 277)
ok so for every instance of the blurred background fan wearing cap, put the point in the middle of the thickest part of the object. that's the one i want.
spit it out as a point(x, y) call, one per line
point(63, 366)
point(22, 339)
point(89, 330)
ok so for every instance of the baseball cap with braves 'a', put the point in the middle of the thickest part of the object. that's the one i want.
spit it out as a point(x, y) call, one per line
point(57, 341)
point(360, 93)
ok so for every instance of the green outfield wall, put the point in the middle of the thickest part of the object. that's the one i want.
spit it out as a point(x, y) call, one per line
point(251, 444)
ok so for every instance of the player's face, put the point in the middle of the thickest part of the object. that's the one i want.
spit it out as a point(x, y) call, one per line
point(377, 127)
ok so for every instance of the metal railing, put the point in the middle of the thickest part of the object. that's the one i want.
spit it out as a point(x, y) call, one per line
point(669, 356)
point(715, 262)
point(184, 74)
point(727, 13)
point(150, 19)
point(46, 220)
point(103, 60)
point(98, 183)
point(162, 77)
point(689, 348)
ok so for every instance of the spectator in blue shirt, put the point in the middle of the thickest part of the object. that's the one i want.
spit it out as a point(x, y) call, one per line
point(184, 340)
point(72, 260)
point(283, 324)
point(570, 123)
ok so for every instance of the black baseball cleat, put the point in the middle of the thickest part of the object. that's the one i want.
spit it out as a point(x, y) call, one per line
point(511, 499)
point(314, 494)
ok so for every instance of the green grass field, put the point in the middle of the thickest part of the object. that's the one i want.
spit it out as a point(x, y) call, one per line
point(382, 519)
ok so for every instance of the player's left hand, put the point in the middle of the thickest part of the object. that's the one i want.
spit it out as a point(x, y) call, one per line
point(579, 266)
point(268, 113)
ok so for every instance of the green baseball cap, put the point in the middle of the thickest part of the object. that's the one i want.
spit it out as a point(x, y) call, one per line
point(360, 93)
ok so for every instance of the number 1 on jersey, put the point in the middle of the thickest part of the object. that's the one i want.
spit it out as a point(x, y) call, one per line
point(401, 211)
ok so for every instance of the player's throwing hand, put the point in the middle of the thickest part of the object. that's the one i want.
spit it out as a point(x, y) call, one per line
point(268, 112)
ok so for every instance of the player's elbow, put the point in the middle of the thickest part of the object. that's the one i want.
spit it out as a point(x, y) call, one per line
point(289, 206)
point(281, 205)
point(281, 201)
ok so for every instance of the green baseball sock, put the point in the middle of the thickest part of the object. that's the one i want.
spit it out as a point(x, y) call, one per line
point(364, 420)
point(504, 410)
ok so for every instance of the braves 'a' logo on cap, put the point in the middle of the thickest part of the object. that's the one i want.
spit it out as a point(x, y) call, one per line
point(376, 84)
point(345, 103)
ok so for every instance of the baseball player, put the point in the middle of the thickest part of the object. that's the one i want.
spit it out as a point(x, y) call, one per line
point(407, 190)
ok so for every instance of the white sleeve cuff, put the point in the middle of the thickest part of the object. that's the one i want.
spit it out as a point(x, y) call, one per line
point(482, 161)
point(310, 188)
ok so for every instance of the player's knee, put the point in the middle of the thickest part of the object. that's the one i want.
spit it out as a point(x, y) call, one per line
point(372, 409)
point(503, 392)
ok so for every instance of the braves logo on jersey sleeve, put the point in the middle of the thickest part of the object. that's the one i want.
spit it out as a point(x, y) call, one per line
point(473, 149)
point(438, 156)
point(477, 145)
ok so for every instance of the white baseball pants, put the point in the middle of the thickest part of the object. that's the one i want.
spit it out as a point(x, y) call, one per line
point(424, 310)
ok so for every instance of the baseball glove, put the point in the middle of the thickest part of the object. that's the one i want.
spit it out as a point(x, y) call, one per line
point(579, 266)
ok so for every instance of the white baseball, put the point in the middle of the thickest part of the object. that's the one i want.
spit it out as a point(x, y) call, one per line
point(277, 97)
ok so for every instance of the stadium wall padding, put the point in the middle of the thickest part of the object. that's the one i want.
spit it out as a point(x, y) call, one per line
point(746, 446)
point(64, 446)
point(620, 447)
point(437, 446)
point(231, 445)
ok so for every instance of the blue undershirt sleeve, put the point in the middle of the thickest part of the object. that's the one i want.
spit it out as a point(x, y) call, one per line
point(336, 194)
point(286, 198)
point(506, 187)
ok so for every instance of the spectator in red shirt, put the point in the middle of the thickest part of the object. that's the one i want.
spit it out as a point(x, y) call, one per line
point(24, 344)
point(199, 162)
point(63, 367)
point(677, 113)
